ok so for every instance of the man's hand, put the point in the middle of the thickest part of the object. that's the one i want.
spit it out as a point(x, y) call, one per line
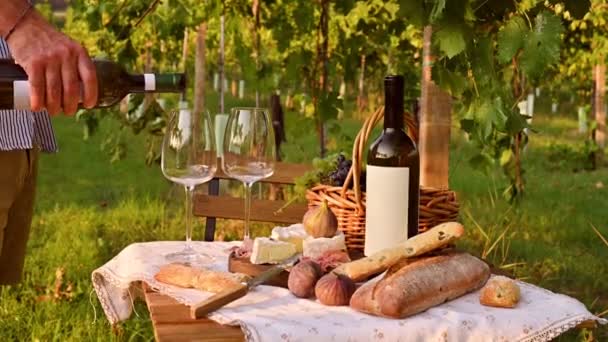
point(55, 64)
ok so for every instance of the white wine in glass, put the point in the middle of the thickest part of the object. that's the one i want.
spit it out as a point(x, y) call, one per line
point(249, 151)
point(189, 158)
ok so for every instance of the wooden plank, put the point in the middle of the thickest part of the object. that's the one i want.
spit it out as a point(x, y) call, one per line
point(284, 173)
point(261, 210)
point(206, 332)
point(164, 309)
point(171, 321)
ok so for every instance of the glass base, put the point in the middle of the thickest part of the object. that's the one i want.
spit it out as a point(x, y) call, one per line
point(190, 257)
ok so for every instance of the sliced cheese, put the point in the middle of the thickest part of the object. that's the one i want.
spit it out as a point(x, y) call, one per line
point(295, 234)
point(314, 248)
point(268, 251)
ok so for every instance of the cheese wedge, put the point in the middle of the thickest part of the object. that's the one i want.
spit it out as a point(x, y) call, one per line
point(314, 248)
point(295, 234)
point(269, 251)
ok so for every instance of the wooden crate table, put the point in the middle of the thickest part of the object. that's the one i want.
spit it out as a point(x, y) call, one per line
point(268, 313)
point(171, 321)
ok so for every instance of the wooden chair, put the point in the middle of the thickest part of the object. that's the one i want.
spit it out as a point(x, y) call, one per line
point(171, 320)
point(214, 205)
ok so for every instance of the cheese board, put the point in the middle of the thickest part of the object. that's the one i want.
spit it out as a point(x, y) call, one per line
point(243, 265)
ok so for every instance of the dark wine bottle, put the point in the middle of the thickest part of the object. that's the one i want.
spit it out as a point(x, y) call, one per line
point(393, 173)
point(114, 83)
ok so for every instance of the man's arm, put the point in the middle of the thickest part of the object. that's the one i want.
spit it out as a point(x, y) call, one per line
point(55, 64)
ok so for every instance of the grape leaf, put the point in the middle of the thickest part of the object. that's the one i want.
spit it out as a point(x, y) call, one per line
point(453, 82)
point(437, 11)
point(483, 65)
point(511, 38)
point(450, 38)
point(515, 123)
point(541, 49)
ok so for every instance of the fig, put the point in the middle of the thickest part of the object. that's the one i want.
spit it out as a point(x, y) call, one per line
point(334, 289)
point(303, 278)
point(320, 221)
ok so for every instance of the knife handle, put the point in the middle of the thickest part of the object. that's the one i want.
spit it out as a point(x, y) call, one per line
point(217, 301)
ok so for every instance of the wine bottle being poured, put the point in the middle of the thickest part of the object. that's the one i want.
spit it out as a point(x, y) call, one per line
point(113, 82)
point(392, 181)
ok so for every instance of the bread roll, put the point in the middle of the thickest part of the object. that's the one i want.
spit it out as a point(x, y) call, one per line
point(435, 238)
point(414, 285)
point(500, 292)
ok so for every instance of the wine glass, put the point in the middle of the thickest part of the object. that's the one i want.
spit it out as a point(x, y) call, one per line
point(249, 151)
point(189, 158)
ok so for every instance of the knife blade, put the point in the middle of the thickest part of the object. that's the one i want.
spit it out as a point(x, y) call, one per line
point(230, 295)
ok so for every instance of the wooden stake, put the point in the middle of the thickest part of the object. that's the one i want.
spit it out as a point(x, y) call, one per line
point(361, 98)
point(199, 68)
point(434, 126)
point(600, 111)
point(221, 61)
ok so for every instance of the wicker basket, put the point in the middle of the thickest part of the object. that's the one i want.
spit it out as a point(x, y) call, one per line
point(436, 206)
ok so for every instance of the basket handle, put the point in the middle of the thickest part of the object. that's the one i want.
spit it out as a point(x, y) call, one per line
point(359, 146)
point(354, 174)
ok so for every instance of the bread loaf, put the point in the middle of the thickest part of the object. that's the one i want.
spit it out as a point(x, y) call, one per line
point(198, 278)
point(500, 292)
point(436, 237)
point(414, 285)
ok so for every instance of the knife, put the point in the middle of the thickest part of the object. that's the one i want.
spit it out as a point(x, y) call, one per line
point(230, 295)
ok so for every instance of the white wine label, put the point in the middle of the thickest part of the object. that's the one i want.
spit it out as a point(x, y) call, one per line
point(149, 82)
point(386, 208)
point(21, 95)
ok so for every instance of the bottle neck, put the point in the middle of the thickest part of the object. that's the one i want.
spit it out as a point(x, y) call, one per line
point(393, 112)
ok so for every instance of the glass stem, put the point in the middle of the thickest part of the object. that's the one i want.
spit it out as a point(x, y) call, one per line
point(247, 235)
point(189, 192)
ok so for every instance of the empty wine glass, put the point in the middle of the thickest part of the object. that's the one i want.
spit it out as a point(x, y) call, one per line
point(249, 151)
point(189, 158)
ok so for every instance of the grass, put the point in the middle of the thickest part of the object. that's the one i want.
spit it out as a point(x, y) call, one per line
point(88, 209)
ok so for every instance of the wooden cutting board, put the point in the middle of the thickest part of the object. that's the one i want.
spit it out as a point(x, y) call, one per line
point(243, 265)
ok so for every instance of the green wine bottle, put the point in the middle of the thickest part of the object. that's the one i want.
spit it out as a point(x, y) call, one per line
point(113, 82)
point(392, 180)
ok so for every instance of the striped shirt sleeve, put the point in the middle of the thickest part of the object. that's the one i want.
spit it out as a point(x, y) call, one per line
point(21, 129)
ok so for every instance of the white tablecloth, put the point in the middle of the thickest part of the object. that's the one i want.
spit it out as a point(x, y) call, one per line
point(273, 314)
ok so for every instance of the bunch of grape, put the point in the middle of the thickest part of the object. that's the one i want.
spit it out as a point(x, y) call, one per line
point(338, 176)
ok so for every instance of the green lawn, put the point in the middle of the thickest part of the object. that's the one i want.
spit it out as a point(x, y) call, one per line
point(89, 209)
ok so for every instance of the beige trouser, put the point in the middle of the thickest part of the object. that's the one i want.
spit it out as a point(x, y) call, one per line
point(17, 187)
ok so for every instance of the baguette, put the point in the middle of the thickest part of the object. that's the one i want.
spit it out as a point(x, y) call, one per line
point(198, 278)
point(415, 285)
point(436, 237)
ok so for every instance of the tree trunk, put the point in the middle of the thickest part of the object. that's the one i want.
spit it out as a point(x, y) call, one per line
point(278, 123)
point(361, 98)
point(184, 61)
point(234, 88)
point(434, 126)
point(148, 67)
point(320, 81)
point(256, 29)
point(600, 111)
point(199, 68)
point(289, 100)
point(221, 61)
